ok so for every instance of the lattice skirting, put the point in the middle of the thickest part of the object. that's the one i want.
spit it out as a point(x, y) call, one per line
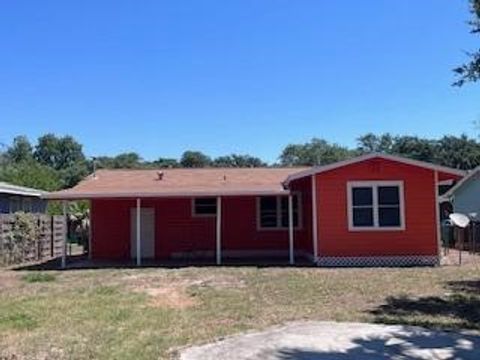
point(385, 261)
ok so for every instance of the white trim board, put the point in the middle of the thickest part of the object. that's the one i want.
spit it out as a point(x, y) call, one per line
point(422, 164)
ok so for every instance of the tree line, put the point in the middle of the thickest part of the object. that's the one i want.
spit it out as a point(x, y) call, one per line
point(58, 162)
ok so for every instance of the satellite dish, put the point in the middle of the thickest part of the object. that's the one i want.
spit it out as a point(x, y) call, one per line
point(459, 220)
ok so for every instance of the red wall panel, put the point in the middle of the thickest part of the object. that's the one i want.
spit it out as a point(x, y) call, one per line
point(111, 228)
point(419, 236)
point(177, 230)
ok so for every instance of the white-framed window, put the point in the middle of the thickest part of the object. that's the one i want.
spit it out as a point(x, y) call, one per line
point(204, 206)
point(375, 205)
point(272, 212)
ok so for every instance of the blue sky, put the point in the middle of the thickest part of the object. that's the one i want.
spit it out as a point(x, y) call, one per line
point(247, 76)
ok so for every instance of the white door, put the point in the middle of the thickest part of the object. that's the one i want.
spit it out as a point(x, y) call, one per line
point(147, 232)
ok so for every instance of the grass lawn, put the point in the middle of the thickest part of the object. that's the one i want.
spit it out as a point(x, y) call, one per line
point(144, 313)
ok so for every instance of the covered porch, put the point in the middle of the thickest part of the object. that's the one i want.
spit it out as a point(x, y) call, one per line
point(259, 229)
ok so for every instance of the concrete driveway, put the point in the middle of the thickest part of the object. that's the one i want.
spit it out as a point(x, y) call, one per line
point(341, 341)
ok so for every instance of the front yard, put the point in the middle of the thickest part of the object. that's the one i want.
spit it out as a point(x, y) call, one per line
point(145, 313)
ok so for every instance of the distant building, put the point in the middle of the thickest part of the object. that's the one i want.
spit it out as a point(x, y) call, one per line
point(15, 198)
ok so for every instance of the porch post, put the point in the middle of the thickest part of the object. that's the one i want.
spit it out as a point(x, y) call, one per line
point(138, 235)
point(314, 219)
point(219, 231)
point(290, 229)
point(437, 217)
point(64, 245)
point(90, 232)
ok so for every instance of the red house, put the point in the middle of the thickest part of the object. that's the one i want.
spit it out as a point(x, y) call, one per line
point(371, 210)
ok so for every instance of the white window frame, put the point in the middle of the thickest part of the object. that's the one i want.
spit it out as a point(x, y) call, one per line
point(194, 208)
point(279, 226)
point(375, 185)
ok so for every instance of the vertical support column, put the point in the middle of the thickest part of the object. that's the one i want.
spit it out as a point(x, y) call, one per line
point(290, 230)
point(437, 217)
point(65, 226)
point(138, 235)
point(90, 231)
point(219, 231)
point(314, 219)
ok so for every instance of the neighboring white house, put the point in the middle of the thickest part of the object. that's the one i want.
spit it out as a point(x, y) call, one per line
point(15, 198)
point(465, 195)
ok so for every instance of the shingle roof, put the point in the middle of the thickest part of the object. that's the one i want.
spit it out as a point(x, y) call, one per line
point(179, 182)
point(6, 188)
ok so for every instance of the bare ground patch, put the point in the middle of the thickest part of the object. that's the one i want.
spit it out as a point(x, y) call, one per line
point(173, 290)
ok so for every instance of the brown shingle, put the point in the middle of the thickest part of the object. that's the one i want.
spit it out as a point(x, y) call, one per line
point(179, 182)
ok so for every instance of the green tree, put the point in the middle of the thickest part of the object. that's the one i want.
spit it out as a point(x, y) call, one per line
point(470, 71)
point(31, 174)
point(20, 150)
point(58, 152)
point(370, 142)
point(195, 159)
point(165, 163)
point(130, 160)
point(238, 161)
point(414, 147)
point(63, 154)
point(315, 152)
point(458, 152)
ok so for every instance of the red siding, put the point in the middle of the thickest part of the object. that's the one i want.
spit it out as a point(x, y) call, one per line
point(176, 230)
point(419, 236)
point(111, 228)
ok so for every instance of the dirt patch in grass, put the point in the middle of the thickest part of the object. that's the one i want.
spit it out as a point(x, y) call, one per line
point(178, 292)
point(174, 297)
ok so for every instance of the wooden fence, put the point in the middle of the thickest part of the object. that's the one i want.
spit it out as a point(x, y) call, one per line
point(30, 237)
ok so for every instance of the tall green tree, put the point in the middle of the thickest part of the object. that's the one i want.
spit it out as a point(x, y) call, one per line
point(470, 71)
point(31, 174)
point(58, 152)
point(314, 152)
point(20, 150)
point(370, 142)
point(195, 159)
point(63, 154)
point(458, 152)
point(414, 147)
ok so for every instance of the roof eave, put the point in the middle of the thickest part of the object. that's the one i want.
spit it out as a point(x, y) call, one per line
point(123, 195)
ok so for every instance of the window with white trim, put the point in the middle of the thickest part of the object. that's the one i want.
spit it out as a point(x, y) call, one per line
point(273, 212)
point(376, 205)
point(205, 206)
